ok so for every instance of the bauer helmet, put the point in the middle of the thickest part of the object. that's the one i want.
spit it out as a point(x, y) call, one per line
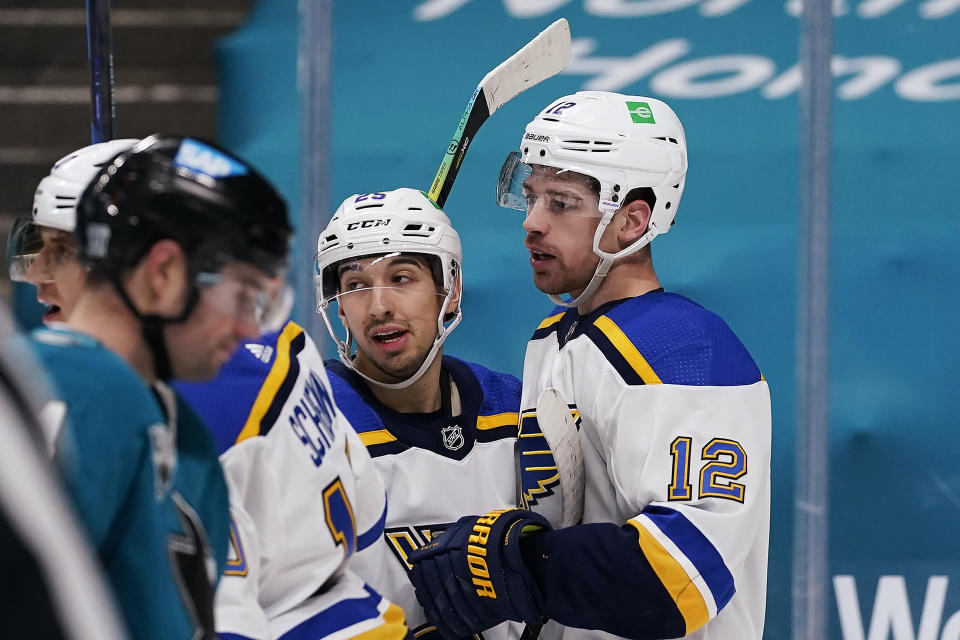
point(624, 142)
point(389, 222)
point(214, 205)
point(55, 201)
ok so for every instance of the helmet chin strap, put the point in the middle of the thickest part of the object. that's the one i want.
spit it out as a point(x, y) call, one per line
point(151, 328)
point(344, 348)
point(606, 261)
point(598, 275)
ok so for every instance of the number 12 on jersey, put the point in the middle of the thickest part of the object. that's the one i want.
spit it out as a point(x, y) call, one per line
point(723, 461)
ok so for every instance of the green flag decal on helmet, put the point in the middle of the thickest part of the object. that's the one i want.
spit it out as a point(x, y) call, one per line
point(641, 113)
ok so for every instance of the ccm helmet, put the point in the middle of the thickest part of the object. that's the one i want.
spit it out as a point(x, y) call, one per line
point(387, 222)
point(55, 200)
point(213, 204)
point(624, 142)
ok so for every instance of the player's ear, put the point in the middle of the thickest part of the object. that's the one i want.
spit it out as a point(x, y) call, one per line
point(159, 283)
point(635, 222)
point(454, 302)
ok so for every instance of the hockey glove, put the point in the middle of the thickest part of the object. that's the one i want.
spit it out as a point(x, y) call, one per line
point(473, 577)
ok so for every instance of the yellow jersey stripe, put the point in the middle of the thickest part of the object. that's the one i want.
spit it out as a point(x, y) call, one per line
point(627, 350)
point(393, 627)
point(380, 436)
point(678, 584)
point(497, 420)
point(552, 320)
point(278, 372)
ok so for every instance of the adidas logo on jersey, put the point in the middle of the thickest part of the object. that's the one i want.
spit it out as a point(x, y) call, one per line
point(261, 352)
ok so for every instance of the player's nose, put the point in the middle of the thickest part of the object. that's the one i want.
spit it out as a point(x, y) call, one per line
point(535, 221)
point(381, 301)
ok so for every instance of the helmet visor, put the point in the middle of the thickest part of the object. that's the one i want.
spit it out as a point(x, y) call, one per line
point(259, 303)
point(522, 186)
point(23, 244)
point(36, 253)
point(359, 280)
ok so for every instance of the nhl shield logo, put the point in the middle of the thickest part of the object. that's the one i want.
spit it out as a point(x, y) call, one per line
point(452, 437)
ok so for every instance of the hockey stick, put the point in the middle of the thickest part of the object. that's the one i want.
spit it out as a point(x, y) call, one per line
point(563, 438)
point(100, 55)
point(544, 56)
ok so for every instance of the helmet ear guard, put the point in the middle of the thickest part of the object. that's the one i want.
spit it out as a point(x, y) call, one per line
point(402, 221)
point(624, 142)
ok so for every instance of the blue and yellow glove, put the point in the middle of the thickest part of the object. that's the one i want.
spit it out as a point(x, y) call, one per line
point(473, 577)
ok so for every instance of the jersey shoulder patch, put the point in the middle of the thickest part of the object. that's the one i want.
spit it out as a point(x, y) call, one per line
point(665, 338)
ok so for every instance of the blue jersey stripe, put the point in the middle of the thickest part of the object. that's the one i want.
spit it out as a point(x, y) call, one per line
point(339, 616)
point(370, 536)
point(698, 550)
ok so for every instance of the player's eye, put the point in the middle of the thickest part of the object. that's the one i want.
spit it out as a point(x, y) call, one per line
point(402, 278)
point(59, 253)
point(351, 285)
point(563, 204)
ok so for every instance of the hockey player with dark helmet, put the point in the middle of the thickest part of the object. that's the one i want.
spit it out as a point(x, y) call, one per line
point(220, 211)
point(182, 244)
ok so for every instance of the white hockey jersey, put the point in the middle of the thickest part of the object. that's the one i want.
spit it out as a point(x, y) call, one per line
point(437, 468)
point(675, 430)
point(305, 497)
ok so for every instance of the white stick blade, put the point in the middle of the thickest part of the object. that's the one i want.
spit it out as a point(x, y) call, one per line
point(544, 56)
point(560, 431)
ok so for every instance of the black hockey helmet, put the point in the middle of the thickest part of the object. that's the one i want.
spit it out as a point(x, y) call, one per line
point(215, 205)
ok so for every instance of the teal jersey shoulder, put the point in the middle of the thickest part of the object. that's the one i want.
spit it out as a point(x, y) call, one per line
point(141, 499)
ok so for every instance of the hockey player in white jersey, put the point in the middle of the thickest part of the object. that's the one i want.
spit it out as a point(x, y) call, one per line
point(441, 431)
point(674, 413)
point(305, 498)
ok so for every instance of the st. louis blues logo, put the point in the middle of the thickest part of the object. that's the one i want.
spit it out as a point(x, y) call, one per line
point(452, 437)
point(538, 469)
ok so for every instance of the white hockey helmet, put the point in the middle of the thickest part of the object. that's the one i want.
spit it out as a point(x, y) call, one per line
point(55, 200)
point(624, 142)
point(388, 222)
